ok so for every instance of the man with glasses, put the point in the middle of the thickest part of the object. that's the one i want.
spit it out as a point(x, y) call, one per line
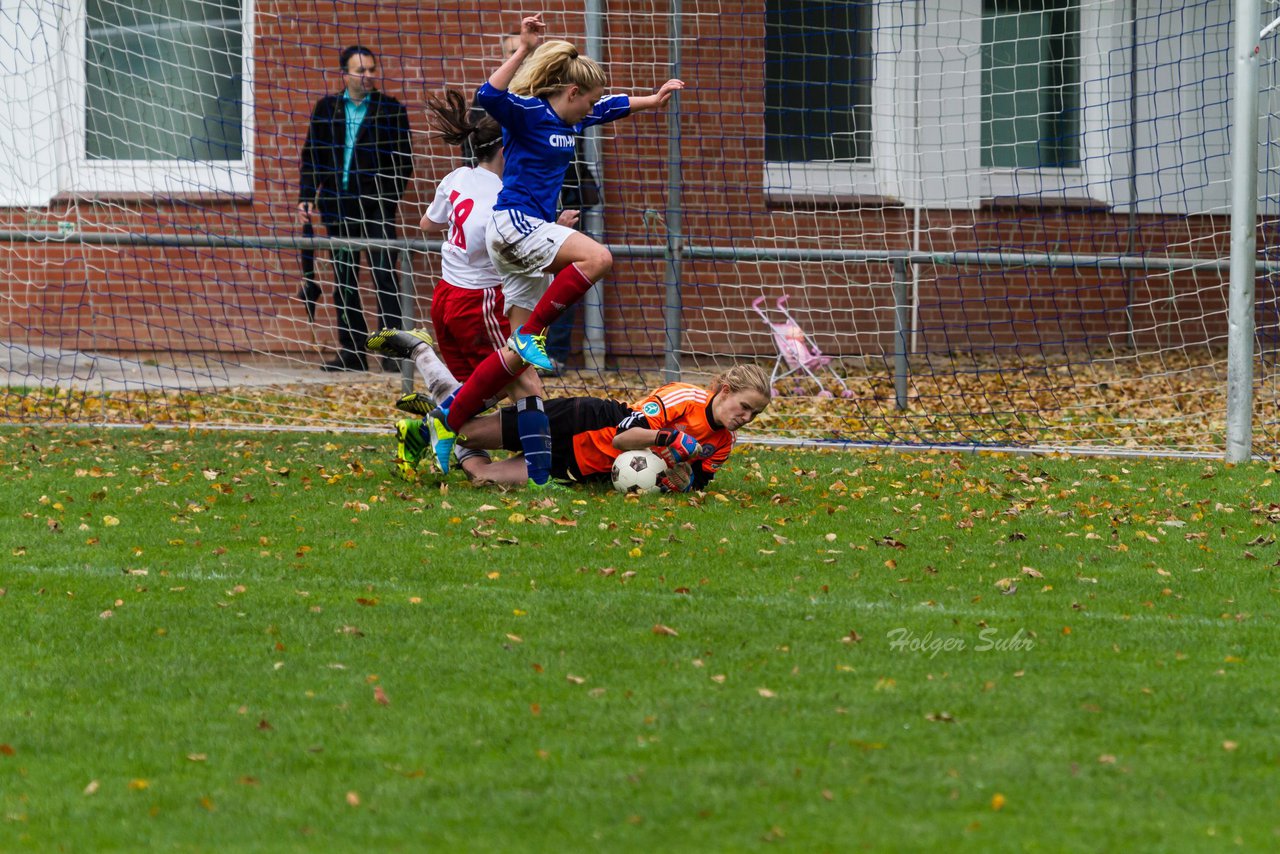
point(356, 163)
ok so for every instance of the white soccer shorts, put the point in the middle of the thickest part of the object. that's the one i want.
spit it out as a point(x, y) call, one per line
point(521, 248)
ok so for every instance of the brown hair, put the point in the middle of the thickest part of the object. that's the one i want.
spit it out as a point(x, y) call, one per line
point(452, 119)
point(742, 377)
point(554, 67)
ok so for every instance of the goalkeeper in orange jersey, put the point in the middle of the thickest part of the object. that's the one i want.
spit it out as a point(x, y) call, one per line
point(689, 427)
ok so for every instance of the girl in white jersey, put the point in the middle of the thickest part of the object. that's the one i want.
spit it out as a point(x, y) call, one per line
point(551, 101)
point(466, 307)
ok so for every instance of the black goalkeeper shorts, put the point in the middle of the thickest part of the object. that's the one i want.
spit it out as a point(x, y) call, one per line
point(569, 416)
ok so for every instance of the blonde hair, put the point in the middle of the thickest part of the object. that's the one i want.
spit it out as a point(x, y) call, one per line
point(554, 67)
point(742, 377)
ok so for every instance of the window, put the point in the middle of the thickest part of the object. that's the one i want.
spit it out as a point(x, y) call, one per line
point(1030, 84)
point(818, 75)
point(162, 88)
point(162, 80)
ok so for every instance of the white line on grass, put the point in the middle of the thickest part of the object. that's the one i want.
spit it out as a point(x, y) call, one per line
point(421, 588)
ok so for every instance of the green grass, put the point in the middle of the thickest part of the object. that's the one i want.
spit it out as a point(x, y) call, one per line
point(198, 629)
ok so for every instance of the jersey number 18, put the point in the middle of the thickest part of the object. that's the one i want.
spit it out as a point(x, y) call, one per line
point(461, 210)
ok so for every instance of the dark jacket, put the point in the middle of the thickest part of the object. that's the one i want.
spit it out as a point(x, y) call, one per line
point(380, 165)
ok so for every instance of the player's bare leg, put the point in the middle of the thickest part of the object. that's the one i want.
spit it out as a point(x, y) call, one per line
point(509, 472)
point(579, 263)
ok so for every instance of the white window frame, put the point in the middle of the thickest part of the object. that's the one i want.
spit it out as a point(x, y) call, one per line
point(151, 177)
point(794, 180)
point(1058, 182)
point(30, 82)
point(907, 163)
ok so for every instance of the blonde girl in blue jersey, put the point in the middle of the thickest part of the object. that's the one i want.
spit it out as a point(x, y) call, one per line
point(467, 306)
point(544, 97)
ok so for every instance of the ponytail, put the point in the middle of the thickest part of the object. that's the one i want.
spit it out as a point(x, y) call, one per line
point(451, 117)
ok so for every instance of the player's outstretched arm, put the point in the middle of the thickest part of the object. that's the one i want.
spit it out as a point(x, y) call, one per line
point(634, 438)
point(672, 446)
point(658, 98)
point(531, 29)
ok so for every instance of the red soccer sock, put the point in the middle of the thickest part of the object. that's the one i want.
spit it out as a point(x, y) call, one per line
point(565, 289)
point(489, 378)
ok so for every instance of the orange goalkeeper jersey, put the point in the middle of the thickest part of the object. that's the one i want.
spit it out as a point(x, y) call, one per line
point(676, 406)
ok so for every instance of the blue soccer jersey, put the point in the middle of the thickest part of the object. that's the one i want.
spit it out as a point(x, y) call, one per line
point(538, 146)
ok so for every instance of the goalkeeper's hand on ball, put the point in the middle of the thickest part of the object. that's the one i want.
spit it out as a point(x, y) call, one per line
point(677, 478)
point(675, 446)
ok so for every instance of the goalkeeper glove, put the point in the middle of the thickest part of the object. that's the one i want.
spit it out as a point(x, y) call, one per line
point(678, 478)
point(676, 446)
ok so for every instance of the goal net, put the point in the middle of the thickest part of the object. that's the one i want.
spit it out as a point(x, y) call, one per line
point(991, 223)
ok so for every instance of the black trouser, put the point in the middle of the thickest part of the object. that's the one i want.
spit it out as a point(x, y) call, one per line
point(352, 330)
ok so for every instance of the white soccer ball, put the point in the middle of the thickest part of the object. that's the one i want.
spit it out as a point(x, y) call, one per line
point(637, 471)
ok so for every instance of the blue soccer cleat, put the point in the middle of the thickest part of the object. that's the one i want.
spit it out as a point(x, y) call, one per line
point(532, 349)
point(442, 439)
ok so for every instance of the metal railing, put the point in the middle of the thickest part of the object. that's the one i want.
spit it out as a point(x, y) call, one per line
point(899, 260)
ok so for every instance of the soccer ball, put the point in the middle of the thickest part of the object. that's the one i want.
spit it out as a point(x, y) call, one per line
point(637, 471)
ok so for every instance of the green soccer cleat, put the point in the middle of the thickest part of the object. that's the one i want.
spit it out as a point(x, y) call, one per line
point(532, 349)
point(416, 403)
point(410, 447)
point(552, 487)
point(398, 343)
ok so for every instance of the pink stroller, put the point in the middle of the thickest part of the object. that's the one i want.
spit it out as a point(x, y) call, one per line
point(796, 353)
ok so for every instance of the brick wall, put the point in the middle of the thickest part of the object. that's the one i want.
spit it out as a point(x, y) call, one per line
point(131, 299)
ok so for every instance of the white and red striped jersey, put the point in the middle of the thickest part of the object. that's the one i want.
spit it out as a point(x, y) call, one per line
point(464, 200)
